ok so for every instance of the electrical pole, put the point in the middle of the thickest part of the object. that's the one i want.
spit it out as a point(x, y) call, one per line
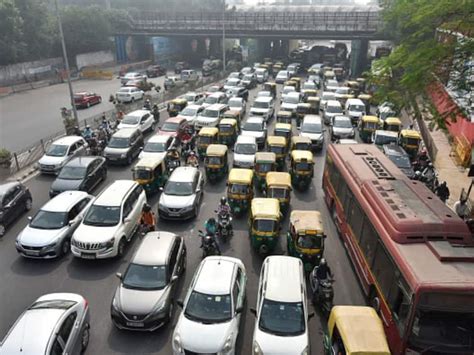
point(223, 35)
point(66, 64)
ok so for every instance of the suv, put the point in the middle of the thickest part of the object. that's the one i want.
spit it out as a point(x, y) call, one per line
point(313, 129)
point(400, 158)
point(282, 315)
point(244, 152)
point(110, 222)
point(211, 116)
point(60, 152)
point(182, 194)
point(212, 308)
point(144, 298)
point(141, 119)
point(124, 146)
point(15, 198)
point(263, 106)
point(215, 98)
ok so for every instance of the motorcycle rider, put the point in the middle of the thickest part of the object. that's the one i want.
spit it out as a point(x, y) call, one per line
point(87, 133)
point(147, 105)
point(192, 159)
point(224, 210)
point(211, 229)
point(461, 208)
point(323, 271)
point(147, 219)
point(155, 111)
point(173, 156)
point(442, 191)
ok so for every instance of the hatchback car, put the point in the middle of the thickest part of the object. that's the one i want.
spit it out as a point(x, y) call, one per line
point(194, 98)
point(132, 76)
point(237, 104)
point(341, 127)
point(86, 99)
point(313, 129)
point(182, 194)
point(141, 119)
point(80, 174)
point(400, 158)
point(191, 112)
point(212, 308)
point(60, 152)
point(263, 106)
point(282, 76)
point(173, 127)
point(331, 109)
point(144, 298)
point(290, 102)
point(48, 234)
point(244, 152)
point(157, 146)
point(15, 199)
point(124, 146)
point(57, 323)
point(215, 98)
point(129, 94)
point(255, 127)
point(261, 74)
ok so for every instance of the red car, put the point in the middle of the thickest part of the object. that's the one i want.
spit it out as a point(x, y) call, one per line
point(173, 126)
point(86, 99)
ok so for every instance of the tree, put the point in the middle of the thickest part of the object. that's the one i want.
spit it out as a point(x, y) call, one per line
point(12, 45)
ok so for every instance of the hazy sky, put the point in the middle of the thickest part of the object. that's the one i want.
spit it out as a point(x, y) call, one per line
point(254, 2)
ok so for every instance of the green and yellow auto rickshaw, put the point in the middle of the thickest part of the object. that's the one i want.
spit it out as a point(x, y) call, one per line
point(367, 100)
point(215, 162)
point(300, 143)
point(264, 224)
point(308, 93)
point(205, 137)
point(279, 187)
point(284, 117)
point(283, 130)
point(410, 140)
point(296, 79)
point(302, 109)
point(367, 126)
point(277, 145)
point(239, 190)
point(301, 168)
point(305, 239)
point(175, 106)
point(151, 173)
point(314, 102)
point(393, 124)
point(264, 163)
point(235, 115)
point(271, 87)
point(228, 131)
point(291, 83)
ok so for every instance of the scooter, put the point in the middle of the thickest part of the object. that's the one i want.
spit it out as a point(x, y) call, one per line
point(322, 291)
point(208, 245)
point(224, 222)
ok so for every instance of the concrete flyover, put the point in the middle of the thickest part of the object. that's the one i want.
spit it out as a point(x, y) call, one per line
point(283, 22)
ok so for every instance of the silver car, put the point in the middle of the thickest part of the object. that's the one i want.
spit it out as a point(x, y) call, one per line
point(48, 234)
point(341, 127)
point(56, 323)
point(144, 298)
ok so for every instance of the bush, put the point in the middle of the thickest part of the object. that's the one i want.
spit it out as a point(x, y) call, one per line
point(5, 158)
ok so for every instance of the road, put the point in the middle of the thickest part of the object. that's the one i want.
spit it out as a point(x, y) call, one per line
point(24, 280)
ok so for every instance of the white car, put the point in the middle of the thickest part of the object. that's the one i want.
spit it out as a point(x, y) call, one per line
point(292, 69)
point(312, 128)
point(129, 94)
point(281, 325)
point(210, 116)
point(264, 107)
point(48, 234)
point(157, 146)
point(141, 119)
point(282, 76)
point(264, 93)
point(255, 127)
point(231, 84)
point(342, 92)
point(355, 109)
point(237, 104)
point(331, 85)
point(290, 102)
point(215, 98)
point(60, 152)
point(244, 152)
point(286, 90)
point(331, 109)
point(132, 76)
point(341, 128)
point(194, 98)
point(325, 97)
point(262, 75)
point(209, 322)
point(191, 112)
point(110, 222)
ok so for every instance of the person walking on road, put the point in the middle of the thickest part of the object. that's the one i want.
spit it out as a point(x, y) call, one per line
point(461, 208)
point(442, 191)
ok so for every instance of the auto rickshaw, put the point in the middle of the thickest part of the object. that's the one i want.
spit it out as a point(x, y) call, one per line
point(300, 143)
point(329, 74)
point(277, 145)
point(354, 87)
point(301, 168)
point(367, 126)
point(264, 224)
point(283, 130)
point(362, 82)
point(206, 136)
point(367, 100)
point(305, 238)
point(339, 73)
point(392, 124)
point(302, 109)
point(314, 102)
point(264, 163)
point(355, 330)
point(271, 87)
point(227, 131)
point(277, 67)
point(239, 190)
point(175, 106)
point(279, 187)
point(291, 83)
point(151, 173)
point(297, 79)
point(236, 115)
point(215, 162)
point(284, 117)
point(308, 93)
point(410, 140)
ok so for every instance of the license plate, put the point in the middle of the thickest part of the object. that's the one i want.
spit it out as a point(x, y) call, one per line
point(87, 256)
point(32, 252)
point(136, 324)
point(174, 214)
point(112, 158)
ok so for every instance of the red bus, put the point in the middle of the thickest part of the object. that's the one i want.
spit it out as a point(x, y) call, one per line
point(413, 256)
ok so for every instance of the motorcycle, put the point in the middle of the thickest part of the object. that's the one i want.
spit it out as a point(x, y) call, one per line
point(322, 291)
point(224, 223)
point(208, 245)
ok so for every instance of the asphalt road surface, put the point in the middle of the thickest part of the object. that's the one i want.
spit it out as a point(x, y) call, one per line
point(24, 280)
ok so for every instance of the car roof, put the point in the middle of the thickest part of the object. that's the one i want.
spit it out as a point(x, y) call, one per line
point(159, 138)
point(68, 140)
point(64, 201)
point(183, 174)
point(381, 132)
point(195, 106)
point(83, 161)
point(283, 278)
point(354, 102)
point(216, 274)
point(113, 194)
point(293, 93)
point(124, 132)
point(217, 94)
point(264, 99)
point(394, 149)
point(138, 113)
point(216, 107)
point(333, 103)
point(154, 248)
point(235, 98)
point(255, 119)
point(246, 139)
point(176, 119)
point(312, 119)
point(342, 118)
point(7, 186)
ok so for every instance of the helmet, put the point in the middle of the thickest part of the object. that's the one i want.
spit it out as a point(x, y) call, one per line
point(87, 126)
point(211, 220)
point(417, 173)
point(430, 165)
point(223, 200)
point(147, 101)
point(146, 207)
point(443, 183)
point(322, 262)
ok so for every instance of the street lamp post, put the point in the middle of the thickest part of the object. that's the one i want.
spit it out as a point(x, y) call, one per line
point(223, 36)
point(66, 64)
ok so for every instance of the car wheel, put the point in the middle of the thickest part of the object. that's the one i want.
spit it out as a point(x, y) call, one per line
point(169, 317)
point(2, 230)
point(88, 104)
point(121, 247)
point(85, 336)
point(65, 247)
point(153, 126)
point(196, 211)
point(129, 160)
point(28, 204)
point(133, 99)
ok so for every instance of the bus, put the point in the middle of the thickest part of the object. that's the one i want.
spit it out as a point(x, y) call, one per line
point(413, 256)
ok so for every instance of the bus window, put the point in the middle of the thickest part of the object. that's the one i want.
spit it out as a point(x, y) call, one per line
point(368, 241)
point(384, 270)
point(400, 304)
point(342, 192)
point(355, 218)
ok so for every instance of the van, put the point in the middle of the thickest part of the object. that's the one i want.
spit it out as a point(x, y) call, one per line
point(124, 146)
point(189, 75)
point(211, 116)
point(355, 109)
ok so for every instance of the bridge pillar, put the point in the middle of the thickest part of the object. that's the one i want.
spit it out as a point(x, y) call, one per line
point(359, 51)
point(284, 49)
point(264, 47)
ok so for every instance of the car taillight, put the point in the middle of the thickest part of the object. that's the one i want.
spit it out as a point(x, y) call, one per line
point(86, 303)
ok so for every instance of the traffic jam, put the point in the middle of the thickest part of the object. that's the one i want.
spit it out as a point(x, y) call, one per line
point(225, 208)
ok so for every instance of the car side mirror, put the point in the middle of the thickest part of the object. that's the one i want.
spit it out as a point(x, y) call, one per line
point(119, 275)
point(70, 223)
point(180, 303)
point(311, 315)
point(253, 311)
point(29, 217)
point(239, 309)
point(174, 278)
point(161, 188)
point(127, 220)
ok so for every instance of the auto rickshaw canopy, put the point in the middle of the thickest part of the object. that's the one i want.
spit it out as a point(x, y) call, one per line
point(410, 133)
point(232, 114)
point(302, 155)
point(280, 126)
point(240, 176)
point(353, 84)
point(276, 140)
point(365, 97)
point(179, 101)
point(284, 114)
point(303, 106)
point(218, 150)
point(276, 178)
point(370, 119)
point(265, 157)
point(395, 121)
point(268, 208)
point(149, 162)
point(208, 131)
point(309, 222)
point(360, 328)
point(228, 121)
point(295, 140)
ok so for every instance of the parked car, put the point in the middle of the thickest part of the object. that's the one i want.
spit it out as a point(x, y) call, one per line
point(194, 98)
point(60, 152)
point(80, 174)
point(86, 99)
point(154, 71)
point(331, 109)
point(313, 129)
point(157, 146)
point(132, 76)
point(190, 113)
point(244, 152)
point(400, 158)
point(48, 234)
point(129, 94)
point(212, 308)
point(249, 81)
point(57, 323)
point(124, 146)
point(173, 127)
point(211, 116)
point(141, 119)
point(281, 324)
point(180, 66)
point(255, 127)
point(110, 222)
point(282, 76)
point(182, 194)
point(215, 98)
point(145, 297)
point(263, 106)
point(341, 128)
point(15, 199)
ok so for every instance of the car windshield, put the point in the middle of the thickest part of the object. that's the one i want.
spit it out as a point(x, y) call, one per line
point(402, 161)
point(213, 160)
point(381, 139)
point(131, 120)
point(169, 127)
point(248, 77)
point(288, 89)
point(145, 277)
point(291, 99)
point(252, 126)
point(277, 149)
point(238, 189)
point(131, 75)
point(334, 109)
point(57, 150)
point(342, 122)
point(260, 71)
point(211, 100)
point(309, 241)
point(282, 318)
point(232, 82)
point(208, 308)
point(152, 147)
point(179, 188)
point(49, 220)
point(190, 97)
point(282, 74)
point(79, 97)
point(311, 127)
point(332, 83)
point(188, 111)
point(303, 166)
point(210, 113)
point(357, 108)
point(265, 225)
point(309, 86)
point(342, 91)
point(142, 174)
point(264, 167)
point(234, 102)
point(103, 216)
point(260, 104)
point(264, 94)
point(72, 173)
point(53, 304)
point(245, 148)
point(118, 142)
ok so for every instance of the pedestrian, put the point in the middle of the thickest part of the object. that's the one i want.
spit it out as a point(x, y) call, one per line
point(442, 191)
point(461, 208)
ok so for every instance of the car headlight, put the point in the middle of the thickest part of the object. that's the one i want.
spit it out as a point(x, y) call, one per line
point(256, 348)
point(177, 343)
point(108, 244)
point(305, 351)
point(123, 155)
point(227, 345)
point(50, 246)
point(115, 306)
point(321, 137)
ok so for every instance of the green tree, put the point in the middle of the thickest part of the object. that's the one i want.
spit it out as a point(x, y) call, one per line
point(12, 46)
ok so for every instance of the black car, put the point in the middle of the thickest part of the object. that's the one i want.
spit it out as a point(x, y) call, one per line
point(400, 158)
point(154, 71)
point(239, 92)
point(80, 174)
point(15, 198)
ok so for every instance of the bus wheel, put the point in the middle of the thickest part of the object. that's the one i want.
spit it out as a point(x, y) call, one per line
point(374, 300)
